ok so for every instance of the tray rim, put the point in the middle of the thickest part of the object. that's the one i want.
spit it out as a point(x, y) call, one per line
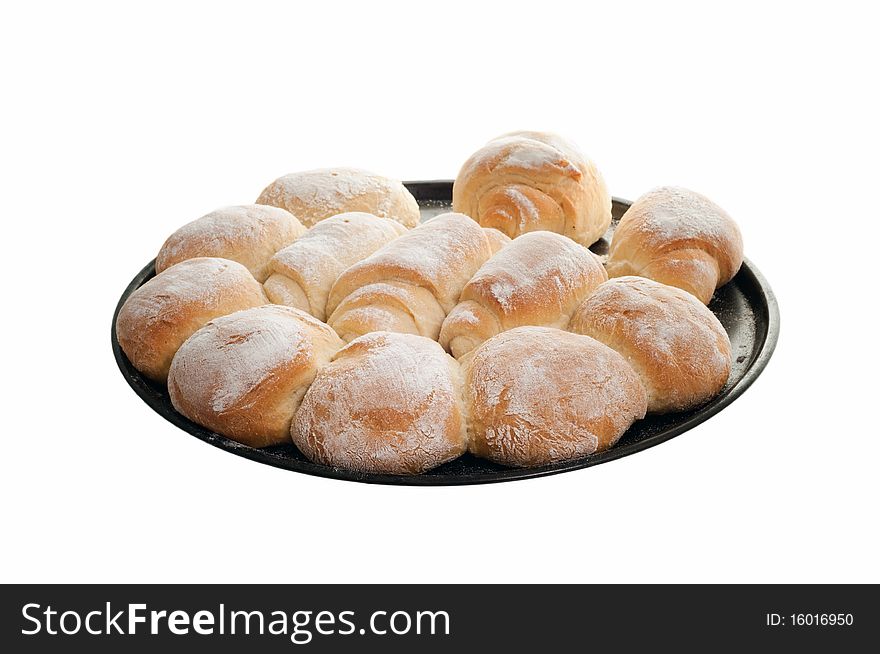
point(765, 352)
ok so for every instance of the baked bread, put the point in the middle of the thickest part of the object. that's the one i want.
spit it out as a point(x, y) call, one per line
point(538, 395)
point(244, 375)
point(677, 237)
point(675, 344)
point(248, 234)
point(410, 284)
point(302, 273)
point(159, 316)
point(539, 279)
point(388, 403)
point(314, 195)
point(529, 181)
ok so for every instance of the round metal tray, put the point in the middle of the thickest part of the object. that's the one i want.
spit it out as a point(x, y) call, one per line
point(746, 307)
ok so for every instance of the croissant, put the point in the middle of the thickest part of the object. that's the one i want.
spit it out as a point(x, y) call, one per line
point(677, 237)
point(539, 279)
point(411, 283)
point(529, 181)
point(302, 273)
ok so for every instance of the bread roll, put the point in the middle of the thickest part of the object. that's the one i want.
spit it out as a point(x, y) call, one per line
point(388, 403)
point(248, 234)
point(530, 181)
point(302, 273)
point(538, 395)
point(675, 344)
point(409, 284)
point(244, 375)
point(677, 237)
point(159, 316)
point(539, 279)
point(314, 195)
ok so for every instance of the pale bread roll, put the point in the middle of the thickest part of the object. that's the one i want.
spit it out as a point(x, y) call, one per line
point(249, 234)
point(539, 279)
point(409, 284)
point(244, 375)
point(538, 395)
point(677, 237)
point(675, 344)
point(388, 403)
point(159, 316)
point(314, 195)
point(530, 181)
point(302, 273)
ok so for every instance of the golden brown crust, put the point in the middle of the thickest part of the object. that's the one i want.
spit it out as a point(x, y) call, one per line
point(388, 403)
point(387, 306)
point(530, 181)
point(677, 237)
point(538, 395)
point(676, 345)
point(539, 279)
point(497, 240)
point(314, 195)
point(304, 272)
point(249, 234)
point(412, 281)
point(244, 375)
point(159, 316)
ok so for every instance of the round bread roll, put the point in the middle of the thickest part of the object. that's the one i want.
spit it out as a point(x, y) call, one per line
point(677, 237)
point(388, 403)
point(675, 344)
point(302, 273)
point(248, 234)
point(539, 279)
point(538, 395)
point(244, 375)
point(530, 181)
point(314, 195)
point(159, 316)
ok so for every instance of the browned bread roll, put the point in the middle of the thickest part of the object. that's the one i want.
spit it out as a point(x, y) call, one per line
point(159, 316)
point(677, 237)
point(539, 395)
point(539, 279)
point(248, 234)
point(302, 273)
point(409, 284)
point(388, 403)
point(244, 375)
point(314, 195)
point(675, 344)
point(529, 181)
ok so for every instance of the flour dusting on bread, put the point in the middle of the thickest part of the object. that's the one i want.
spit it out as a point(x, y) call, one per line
point(539, 395)
point(387, 403)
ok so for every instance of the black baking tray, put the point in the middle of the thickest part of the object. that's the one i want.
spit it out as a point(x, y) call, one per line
point(746, 307)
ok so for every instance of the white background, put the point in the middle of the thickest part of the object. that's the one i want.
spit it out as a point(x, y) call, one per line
point(122, 121)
